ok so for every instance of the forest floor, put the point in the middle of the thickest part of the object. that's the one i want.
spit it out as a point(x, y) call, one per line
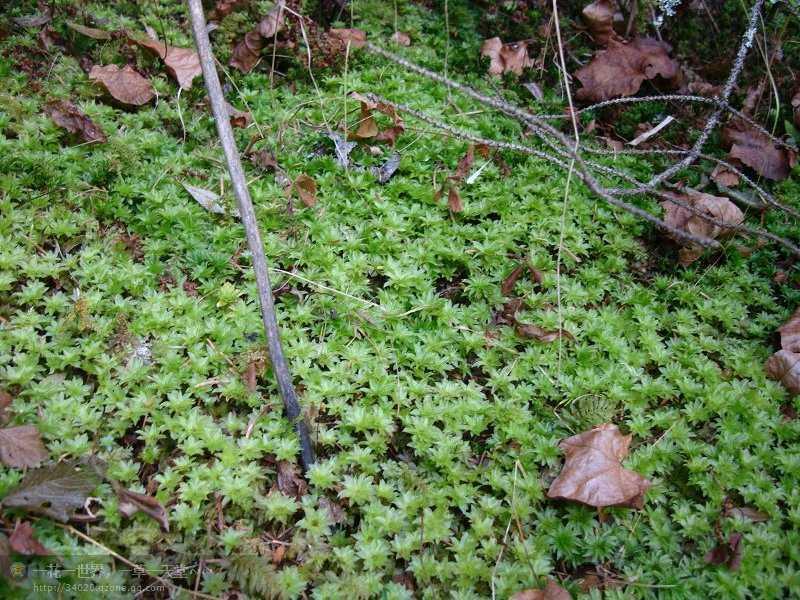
point(130, 331)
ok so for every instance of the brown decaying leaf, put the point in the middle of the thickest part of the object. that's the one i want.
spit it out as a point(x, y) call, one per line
point(247, 52)
point(724, 176)
point(290, 482)
point(509, 282)
point(400, 38)
point(238, 118)
point(728, 553)
point(68, 116)
point(21, 447)
point(681, 218)
point(746, 513)
point(599, 17)
point(454, 200)
point(125, 85)
point(96, 34)
point(356, 37)
point(278, 552)
point(334, 510)
point(183, 64)
point(54, 490)
point(506, 58)
point(368, 128)
point(552, 591)
point(23, 541)
point(306, 189)
point(540, 334)
point(5, 401)
point(223, 8)
point(132, 502)
point(621, 69)
point(754, 149)
point(784, 365)
point(593, 473)
point(36, 20)
point(796, 107)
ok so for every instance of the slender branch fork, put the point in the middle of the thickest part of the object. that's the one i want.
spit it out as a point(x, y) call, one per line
point(562, 152)
point(248, 217)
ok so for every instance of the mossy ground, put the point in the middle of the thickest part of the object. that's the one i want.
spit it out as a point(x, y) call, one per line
point(435, 430)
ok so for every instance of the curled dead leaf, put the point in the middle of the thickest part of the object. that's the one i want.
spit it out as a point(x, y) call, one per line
point(509, 282)
point(506, 58)
point(599, 17)
point(22, 447)
point(306, 189)
point(68, 116)
point(125, 85)
point(540, 334)
point(290, 482)
point(680, 217)
point(23, 541)
point(247, 52)
point(183, 64)
point(620, 69)
point(355, 37)
point(238, 118)
point(728, 553)
point(724, 176)
point(593, 473)
point(454, 200)
point(790, 333)
point(132, 502)
point(552, 591)
point(400, 38)
point(95, 34)
point(754, 149)
point(784, 366)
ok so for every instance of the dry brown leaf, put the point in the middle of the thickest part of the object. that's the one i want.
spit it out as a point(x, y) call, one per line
point(247, 52)
point(277, 554)
point(682, 218)
point(23, 541)
point(400, 38)
point(356, 37)
point(540, 334)
point(621, 69)
point(747, 513)
point(796, 107)
point(465, 164)
point(728, 553)
point(506, 58)
point(593, 473)
point(183, 64)
point(22, 447)
point(95, 34)
point(68, 116)
point(754, 149)
point(306, 189)
point(334, 510)
point(238, 118)
point(790, 333)
point(724, 176)
point(552, 591)
point(599, 17)
point(454, 200)
point(5, 401)
point(784, 366)
point(125, 85)
point(132, 502)
point(223, 8)
point(509, 282)
point(290, 482)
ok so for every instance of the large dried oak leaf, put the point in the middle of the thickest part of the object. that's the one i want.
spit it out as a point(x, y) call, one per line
point(620, 69)
point(593, 473)
point(125, 85)
point(756, 150)
point(248, 51)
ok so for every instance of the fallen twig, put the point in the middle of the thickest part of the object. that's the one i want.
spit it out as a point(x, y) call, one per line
point(248, 217)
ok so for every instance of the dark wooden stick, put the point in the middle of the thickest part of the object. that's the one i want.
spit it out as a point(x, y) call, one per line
point(248, 217)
